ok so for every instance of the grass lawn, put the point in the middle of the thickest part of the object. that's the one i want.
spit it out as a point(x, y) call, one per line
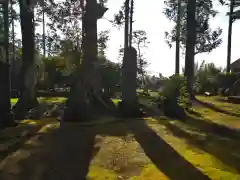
point(221, 103)
point(154, 148)
point(230, 115)
point(43, 99)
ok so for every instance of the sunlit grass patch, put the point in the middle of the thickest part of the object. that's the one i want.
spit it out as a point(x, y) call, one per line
point(220, 118)
point(44, 99)
point(153, 93)
point(219, 102)
point(99, 173)
point(229, 115)
point(52, 99)
point(150, 172)
point(25, 129)
point(187, 146)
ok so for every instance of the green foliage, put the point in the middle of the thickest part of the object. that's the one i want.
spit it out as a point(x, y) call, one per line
point(176, 89)
point(119, 18)
point(206, 38)
point(53, 72)
point(228, 83)
point(140, 42)
point(206, 78)
point(173, 98)
point(225, 80)
point(111, 74)
point(209, 78)
point(103, 38)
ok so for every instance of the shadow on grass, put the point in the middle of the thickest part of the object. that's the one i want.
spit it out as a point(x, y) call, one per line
point(217, 109)
point(226, 100)
point(20, 139)
point(65, 153)
point(208, 126)
point(194, 113)
point(62, 153)
point(166, 159)
point(216, 140)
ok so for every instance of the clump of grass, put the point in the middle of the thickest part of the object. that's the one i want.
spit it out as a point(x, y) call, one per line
point(221, 104)
point(150, 172)
point(188, 142)
point(99, 173)
point(42, 99)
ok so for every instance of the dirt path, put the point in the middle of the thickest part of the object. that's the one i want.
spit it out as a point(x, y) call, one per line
point(121, 151)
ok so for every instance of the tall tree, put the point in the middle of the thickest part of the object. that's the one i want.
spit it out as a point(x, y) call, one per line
point(230, 35)
point(129, 71)
point(126, 25)
point(13, 17)
point(206, 38)
point(131, 22)
point(140, 42)
point(178, 28)
point(44, 31)
point(129, 65)
point(81, 104)
point(190, 45)
point(5, 104)
point(28, 75)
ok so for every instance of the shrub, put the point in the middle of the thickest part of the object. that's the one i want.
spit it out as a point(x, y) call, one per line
point(228, 84)
point(173, 99)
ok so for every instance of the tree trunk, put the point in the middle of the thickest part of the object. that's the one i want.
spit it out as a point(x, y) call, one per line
point(229, 48)
point(44, 34)
point(28, 72)
point(5, 104)
point(13, 33)
point(129, 73)
point(85, 101)
point(178, 38)
point(190, 45)
point(141, 64)
point(126, 29)
point(131, 23)
point(129, 105)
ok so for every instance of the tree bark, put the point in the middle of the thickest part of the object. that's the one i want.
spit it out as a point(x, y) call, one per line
point(126, 29)
point(129, 104)
point(131, 23)
point(44, 34)
point(5, 85)
point(141, 64)
point(178, 38)
point(27, 98)
point(190, 45)
point(229, 48)
point(85, 101)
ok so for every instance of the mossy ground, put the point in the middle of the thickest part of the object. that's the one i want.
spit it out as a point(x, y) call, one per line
point(44, 99)
point(154, 148)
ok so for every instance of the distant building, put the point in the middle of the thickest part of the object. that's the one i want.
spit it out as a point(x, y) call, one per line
point(235, 66)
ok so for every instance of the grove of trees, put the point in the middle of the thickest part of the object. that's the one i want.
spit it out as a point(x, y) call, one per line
point(72, 53)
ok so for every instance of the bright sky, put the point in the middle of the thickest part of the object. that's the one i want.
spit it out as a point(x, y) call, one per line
point(149, 17)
